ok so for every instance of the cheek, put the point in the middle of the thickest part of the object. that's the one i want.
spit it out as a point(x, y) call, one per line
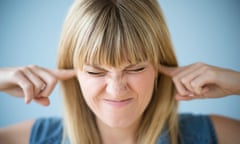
point(91, 87)
point(143, 85)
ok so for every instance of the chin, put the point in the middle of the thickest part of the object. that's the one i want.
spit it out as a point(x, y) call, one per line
point(119, 123)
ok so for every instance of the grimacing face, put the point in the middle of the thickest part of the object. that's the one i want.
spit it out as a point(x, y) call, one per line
point(117, 96)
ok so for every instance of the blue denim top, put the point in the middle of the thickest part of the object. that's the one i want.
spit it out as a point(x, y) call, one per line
point(194, 129)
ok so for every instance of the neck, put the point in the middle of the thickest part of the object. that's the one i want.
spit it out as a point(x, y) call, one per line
point(110, 135)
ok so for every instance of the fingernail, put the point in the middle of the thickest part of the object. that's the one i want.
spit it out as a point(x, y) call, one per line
point(27, 101)
point(205, 90)
point(191, 94)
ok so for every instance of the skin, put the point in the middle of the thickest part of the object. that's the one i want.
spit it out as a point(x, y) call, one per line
point(118, 98)
point(26, 82)
point(200, 81)
point(192, 82)
point(32, 82)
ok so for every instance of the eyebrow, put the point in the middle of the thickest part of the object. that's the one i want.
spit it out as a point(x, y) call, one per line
point(132, 65)
point(95, 67)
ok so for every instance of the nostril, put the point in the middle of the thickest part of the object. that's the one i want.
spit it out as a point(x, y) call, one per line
point(117, 89)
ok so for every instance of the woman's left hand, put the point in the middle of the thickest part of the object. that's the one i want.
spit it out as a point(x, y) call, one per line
point(203, 81)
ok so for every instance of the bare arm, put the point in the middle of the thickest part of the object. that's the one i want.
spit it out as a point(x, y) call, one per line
point(227, 129)
point(31, 83)
point(200, 80)
point(17, 133)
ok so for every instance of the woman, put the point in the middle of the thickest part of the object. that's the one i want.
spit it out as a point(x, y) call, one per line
point(115, 85)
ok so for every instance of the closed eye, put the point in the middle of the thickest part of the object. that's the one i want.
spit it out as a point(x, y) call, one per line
point(136, 70)
point(95, 73)
point(94, 70)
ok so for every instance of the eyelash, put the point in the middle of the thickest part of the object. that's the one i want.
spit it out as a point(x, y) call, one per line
point(128, 71)
point(95, 73)
point(136, 70)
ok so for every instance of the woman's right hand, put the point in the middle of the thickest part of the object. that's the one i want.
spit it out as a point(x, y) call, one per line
point(32, 82)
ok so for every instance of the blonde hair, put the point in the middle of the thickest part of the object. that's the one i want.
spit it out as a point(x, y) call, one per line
point(108, 32)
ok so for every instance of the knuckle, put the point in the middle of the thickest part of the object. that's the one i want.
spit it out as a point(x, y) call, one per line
point(24, 70)
point(17, 73)
point(32, 66)
point(200, 64)
point(205, 68)
point(28, 86)
point(175, 79)
point(52, 80)
point(184, 80)
point(39, 86)
point(194, 84)
point(210, 73)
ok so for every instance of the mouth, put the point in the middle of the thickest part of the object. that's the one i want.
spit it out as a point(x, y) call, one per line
point(118, 103)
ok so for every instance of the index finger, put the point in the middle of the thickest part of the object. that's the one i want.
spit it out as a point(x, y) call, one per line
point(169, 71)
point(63, 74)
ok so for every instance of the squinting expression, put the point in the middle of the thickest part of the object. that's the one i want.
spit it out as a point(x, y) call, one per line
point(117, 96)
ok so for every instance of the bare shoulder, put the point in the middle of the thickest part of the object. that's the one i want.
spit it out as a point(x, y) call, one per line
point(227, 129)
point(17, 133)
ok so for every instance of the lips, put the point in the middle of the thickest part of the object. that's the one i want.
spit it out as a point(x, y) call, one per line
point(118, 103)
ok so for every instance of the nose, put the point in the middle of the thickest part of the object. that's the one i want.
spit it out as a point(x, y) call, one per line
point(117, 86)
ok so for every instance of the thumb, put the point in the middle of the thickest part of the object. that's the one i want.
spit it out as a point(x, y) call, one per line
point(63, 74)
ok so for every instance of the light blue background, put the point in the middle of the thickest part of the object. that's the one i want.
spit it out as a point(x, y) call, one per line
point(206, 31)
